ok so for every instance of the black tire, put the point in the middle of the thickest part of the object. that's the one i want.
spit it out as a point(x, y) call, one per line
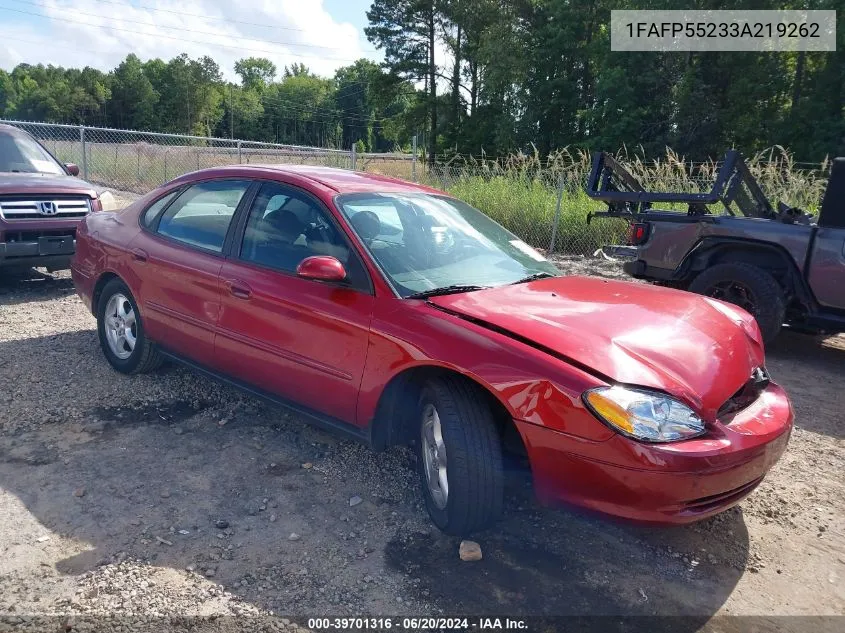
point(144, 356)
point(475, 478)
point(765, 297)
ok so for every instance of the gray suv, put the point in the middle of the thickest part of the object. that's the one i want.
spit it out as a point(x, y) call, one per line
point(781, 265)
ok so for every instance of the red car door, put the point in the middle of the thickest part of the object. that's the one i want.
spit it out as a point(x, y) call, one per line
point(302, 340)
point(178, 258)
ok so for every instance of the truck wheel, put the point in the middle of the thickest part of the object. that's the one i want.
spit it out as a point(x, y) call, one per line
point(748, 287)
point(460, 457)
point(121, 331)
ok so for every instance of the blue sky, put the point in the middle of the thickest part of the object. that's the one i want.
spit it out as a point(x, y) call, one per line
point(322, 34)
point(352, 11)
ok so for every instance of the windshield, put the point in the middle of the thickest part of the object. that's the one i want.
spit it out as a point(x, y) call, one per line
point(423, 242)
point(19, 153)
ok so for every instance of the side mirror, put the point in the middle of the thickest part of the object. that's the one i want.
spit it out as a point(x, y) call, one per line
point(72, 168)
point(321, 268)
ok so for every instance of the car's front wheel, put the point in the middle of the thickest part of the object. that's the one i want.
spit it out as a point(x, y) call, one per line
point(121, 331)
point(460, 456)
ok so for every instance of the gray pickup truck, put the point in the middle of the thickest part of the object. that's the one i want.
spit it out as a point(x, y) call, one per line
point(781, 264)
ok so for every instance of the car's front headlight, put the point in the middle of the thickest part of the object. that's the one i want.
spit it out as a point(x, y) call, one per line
point(649, 416)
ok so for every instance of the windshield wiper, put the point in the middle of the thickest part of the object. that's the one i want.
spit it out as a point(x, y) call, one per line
point(445, 290)
point(533, 277)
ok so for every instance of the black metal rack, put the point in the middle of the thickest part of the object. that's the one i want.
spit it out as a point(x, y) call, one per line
point(735, 188)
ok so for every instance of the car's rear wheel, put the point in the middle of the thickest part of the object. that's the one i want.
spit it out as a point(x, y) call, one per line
point(749, 287)
point(121, 331)
point(460, 456)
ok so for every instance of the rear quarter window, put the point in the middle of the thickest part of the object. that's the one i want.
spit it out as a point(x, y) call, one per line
point(149, 217)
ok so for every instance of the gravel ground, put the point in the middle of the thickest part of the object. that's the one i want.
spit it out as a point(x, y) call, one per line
point(171, 496)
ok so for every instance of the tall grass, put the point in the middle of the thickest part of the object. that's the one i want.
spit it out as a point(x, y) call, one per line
point(521, 190)
point(527, 207)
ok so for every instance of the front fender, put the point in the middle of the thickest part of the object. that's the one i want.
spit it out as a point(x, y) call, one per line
point(530, 385)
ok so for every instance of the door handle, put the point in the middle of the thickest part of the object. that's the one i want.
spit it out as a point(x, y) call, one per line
point(139, 255)
point(239, 289)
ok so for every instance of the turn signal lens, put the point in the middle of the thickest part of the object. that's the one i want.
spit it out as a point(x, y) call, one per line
point(610, 411)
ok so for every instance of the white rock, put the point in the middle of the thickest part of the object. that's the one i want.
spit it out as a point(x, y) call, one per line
point(469, 551)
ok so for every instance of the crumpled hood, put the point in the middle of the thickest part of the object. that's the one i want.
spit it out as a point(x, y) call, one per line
point(25, 183)
point(627, 332)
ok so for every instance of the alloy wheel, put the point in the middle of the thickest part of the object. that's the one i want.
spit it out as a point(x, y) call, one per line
point(121, 326)
point(434, 457)
point(735, 293)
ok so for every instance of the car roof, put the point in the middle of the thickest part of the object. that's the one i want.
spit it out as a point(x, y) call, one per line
point(339, 180)
point(12, 130)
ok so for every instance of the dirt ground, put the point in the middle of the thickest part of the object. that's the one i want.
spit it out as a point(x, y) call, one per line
point(169, 496)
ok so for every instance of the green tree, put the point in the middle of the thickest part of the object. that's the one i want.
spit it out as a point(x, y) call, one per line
point(355, 98)
point(255, 72)
point(243, 113)
point(299, 110)
point(407, 31)
point(134, 99)
point(298, 69)
point(191, 94)
point(517, 75)
point(7, 93)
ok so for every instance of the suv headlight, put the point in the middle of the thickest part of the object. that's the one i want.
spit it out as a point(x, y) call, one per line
point(649, 416)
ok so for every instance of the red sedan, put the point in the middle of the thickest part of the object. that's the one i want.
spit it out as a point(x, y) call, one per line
point(397, 314)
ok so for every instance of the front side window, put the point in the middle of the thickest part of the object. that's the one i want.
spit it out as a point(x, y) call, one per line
point(285, 226)
point(202, 214)
point(20, 153)
point(424, 241)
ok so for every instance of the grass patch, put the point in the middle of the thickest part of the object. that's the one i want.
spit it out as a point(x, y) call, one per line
point(527, 208)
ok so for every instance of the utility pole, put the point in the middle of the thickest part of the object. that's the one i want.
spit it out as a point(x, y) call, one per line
point(414, 158)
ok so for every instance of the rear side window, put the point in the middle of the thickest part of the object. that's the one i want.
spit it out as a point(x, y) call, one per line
point(155, 208)
point(201, 215)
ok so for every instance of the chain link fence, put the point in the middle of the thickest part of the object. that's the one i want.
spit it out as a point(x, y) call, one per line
point(543, 202)
point(140, 161)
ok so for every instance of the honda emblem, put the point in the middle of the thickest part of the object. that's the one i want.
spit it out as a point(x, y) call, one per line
point(47, 208)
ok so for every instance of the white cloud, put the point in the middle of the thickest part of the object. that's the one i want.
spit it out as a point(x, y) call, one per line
point(275, 29)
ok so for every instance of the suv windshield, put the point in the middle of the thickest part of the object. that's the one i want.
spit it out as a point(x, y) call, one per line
point(424, 242)
point(19, 153)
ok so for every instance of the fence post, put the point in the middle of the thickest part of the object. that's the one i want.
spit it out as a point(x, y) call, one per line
point(84, 152)
point(557, 215)
point(414, 158)
point(354, 157)
point(239, 152)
